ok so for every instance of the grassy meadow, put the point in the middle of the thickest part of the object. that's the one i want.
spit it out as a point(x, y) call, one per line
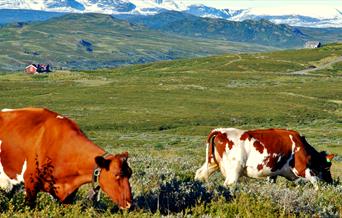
point(161, 113)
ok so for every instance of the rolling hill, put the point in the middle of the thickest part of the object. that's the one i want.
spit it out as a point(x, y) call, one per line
point(261, 31)
point(19, 16)
point(88, 41)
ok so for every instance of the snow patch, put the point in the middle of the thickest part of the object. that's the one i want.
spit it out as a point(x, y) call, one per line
point(310, 15)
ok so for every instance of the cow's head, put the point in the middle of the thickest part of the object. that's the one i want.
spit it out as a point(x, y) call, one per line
point(322, 166)
point(114, 178)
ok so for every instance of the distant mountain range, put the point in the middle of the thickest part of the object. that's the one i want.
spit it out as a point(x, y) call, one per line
point(89, 41)
point(261, 32)
point(138, 31)
point(329, 17)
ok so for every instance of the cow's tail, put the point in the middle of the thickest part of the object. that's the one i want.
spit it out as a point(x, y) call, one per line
point(211, 147)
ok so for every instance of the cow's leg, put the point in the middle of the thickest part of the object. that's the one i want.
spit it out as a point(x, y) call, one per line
point(31, 189)
point(311, 177)
point(205, 171)
point(304, 172)
point(272, 179)
point(208, 168)
point(70, 198)
point(232, 172)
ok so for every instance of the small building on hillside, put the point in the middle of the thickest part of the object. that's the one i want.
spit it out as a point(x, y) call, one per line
point(312, 44)
point(31, 69)
point(38, 68)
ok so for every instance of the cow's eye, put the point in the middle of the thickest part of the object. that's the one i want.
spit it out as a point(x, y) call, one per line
point(117, 176)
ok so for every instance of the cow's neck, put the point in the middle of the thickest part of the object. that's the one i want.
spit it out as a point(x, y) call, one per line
point(86, 166)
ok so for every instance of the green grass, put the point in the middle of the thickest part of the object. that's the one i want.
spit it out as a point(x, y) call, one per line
point(161, 114)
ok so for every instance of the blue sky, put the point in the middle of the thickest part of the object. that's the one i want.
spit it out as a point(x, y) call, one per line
point(266, 3)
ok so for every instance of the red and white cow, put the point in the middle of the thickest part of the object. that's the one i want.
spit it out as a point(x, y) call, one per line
point(48, 152)
point(263, 153)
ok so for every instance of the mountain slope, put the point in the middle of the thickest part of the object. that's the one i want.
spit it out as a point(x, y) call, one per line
point(260, 32)
point(16, 16)
point(87, 41)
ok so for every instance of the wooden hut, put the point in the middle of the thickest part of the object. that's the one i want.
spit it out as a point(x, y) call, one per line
point(38, 68)
point(31, 69)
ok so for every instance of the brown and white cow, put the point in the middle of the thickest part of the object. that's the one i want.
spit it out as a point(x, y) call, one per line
point(263, 153)
point(48, 152)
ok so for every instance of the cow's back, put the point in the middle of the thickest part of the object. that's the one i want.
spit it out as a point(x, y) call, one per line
point(280, 141)
point(34, 136)
point(22, 128)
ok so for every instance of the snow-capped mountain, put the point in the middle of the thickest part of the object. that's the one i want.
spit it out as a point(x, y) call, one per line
point(310, 16)
point(97, 6)
point(150, 7)
point(205, 11)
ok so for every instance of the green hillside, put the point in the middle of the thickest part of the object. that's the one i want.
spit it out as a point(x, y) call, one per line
point(261, 32)
point(88, 41)
point(161, 114)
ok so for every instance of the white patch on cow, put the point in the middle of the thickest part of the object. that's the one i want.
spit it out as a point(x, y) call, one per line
point(59, 117)
point(295, 148)
point(255, 158)
point(7, 110)
point(20, 177)
point(313, 179)
point(7, 183)
point(279, 159)
point(307, 173)
point(287, 171)
point(206, 161)
point(224, 162)
point(230, 167)
point(293, 144)
point(295, 171)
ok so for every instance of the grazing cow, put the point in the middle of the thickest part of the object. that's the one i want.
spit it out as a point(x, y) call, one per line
point(48, 152)
point(263, 153)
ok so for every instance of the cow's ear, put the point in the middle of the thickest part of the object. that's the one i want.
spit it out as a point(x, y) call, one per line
point(330, 157)
point(102, 162)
